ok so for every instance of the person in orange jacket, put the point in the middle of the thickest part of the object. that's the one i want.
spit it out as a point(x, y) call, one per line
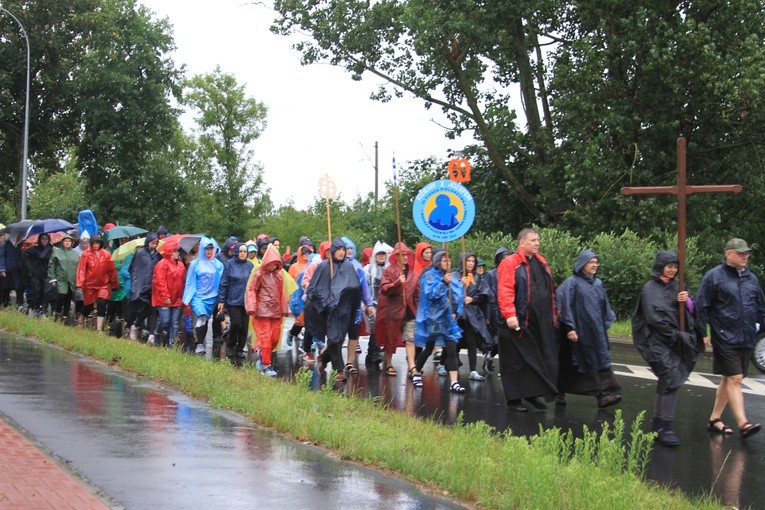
point(267, 303)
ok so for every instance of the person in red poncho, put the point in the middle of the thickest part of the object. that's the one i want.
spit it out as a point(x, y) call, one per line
point(267, 303)
point(395, 322)
point(97, 277)
point(168, 282)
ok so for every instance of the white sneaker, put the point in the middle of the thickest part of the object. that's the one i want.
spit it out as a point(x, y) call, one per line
point(133, 332)
point(150, 340)
point(475, 376)
point(200, 349)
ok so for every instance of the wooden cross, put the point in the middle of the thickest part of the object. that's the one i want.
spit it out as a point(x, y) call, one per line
point(682, 190)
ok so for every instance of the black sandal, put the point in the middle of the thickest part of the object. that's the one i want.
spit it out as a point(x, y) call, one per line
point(749, 430)
point(711, 427)
point(351, 369)
point(391, 371)
point(416, 380)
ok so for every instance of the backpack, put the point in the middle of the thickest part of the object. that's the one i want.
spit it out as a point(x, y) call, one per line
point(296, 299)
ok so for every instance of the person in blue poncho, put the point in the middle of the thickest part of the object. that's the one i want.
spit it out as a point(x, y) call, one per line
point(201, 292)
point(441, 302)
point(584, 318)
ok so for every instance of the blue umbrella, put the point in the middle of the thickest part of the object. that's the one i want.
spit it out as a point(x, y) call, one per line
point(48, 226)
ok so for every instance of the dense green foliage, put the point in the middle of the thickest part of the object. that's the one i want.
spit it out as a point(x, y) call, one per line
point(605, 90)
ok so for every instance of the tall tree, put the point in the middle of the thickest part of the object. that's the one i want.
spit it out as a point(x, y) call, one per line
point(466, 57)
point(605, 89)
point(58, 33)
point(228, 122)
point(125, 83)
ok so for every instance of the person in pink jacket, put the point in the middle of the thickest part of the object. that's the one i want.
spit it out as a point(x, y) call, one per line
point(267, 303)
point(167, 285)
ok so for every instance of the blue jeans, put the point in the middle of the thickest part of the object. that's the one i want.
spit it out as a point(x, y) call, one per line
point(168, 320)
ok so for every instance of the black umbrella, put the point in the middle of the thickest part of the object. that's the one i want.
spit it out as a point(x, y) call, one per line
point(17, 231)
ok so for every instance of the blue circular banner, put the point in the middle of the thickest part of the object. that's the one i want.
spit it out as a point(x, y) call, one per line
point(443, 211)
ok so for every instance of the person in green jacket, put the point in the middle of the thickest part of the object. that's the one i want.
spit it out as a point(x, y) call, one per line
point(62, 271)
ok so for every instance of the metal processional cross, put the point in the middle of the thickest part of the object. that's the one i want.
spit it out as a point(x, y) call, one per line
point(682, 190)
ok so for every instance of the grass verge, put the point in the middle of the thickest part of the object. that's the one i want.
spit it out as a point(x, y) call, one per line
point(472, 464)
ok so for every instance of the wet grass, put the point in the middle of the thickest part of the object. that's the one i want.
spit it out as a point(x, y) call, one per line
point(468, 462)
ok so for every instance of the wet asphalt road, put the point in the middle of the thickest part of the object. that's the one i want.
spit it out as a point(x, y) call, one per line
point(730, 468)
point(145, 447)
point(111, 428)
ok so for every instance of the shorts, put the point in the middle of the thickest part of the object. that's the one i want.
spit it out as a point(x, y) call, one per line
point(728, 362)
point(407, 331)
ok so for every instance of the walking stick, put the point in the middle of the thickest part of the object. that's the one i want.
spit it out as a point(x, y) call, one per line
point(328, 190)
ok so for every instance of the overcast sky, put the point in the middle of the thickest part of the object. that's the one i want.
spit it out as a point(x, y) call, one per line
point(319, 119)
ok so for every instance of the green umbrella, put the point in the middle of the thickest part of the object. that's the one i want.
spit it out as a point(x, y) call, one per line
point(128, 231)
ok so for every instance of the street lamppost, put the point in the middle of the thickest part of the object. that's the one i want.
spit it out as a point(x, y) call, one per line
point(24, 168)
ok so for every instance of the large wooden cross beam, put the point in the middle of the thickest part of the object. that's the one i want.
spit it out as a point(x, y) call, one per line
point(682, 190)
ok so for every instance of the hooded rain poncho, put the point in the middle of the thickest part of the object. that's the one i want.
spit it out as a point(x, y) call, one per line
point(334, 296)
point(669, 352)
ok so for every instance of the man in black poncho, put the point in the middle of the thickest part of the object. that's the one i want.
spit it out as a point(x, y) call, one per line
point(334, 295)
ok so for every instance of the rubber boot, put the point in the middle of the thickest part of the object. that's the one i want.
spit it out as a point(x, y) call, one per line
point(667, 435)
point(201, 333)
point(133, 332)
point(100, 324)
point(217, 342)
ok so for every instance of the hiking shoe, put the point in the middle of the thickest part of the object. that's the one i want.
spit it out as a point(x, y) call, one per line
point(475, 376)
point(200, 349)
point(150, 340)
point(133, 332)
point(442, 371)
point(270, 372)
point(609, 400)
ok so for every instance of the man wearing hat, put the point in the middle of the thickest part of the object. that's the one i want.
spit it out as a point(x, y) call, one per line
point(731, 301)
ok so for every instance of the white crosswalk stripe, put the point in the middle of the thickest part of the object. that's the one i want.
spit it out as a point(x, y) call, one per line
point(750, 386)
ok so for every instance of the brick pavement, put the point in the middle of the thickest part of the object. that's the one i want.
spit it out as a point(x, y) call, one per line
point(29, 479)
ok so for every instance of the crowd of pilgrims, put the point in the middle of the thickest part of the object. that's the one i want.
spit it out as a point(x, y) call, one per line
point(426, 300)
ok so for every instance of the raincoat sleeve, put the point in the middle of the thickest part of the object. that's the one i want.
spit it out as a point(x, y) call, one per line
point(111, 273)
point(224, 284)
point(160, 286)
point(191, 283)
point(458, 297)
point(366, 295)
point(610, 315)
point(52, 266)
point(319, 291)
point(506, 286)
point(81, 271)
point(389, 282)
point(564, 298)
point(251, 294)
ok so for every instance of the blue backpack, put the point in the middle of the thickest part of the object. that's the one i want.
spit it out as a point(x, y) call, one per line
point(296, 299)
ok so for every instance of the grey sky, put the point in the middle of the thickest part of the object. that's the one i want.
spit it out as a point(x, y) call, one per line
point(318, 117)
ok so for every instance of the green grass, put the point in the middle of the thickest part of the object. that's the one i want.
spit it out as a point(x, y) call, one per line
point(621, 328)
point(472, 464)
